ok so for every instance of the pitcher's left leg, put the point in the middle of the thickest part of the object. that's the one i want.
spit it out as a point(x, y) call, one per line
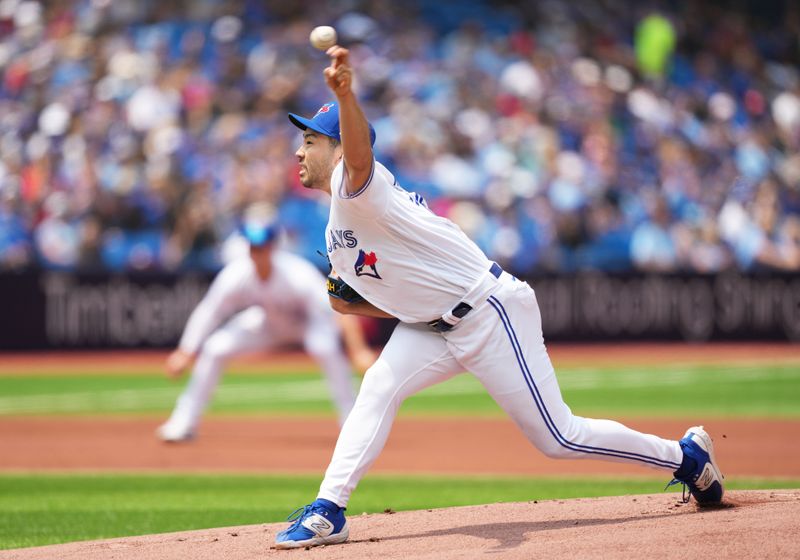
point(414, 358)
point(514, 367)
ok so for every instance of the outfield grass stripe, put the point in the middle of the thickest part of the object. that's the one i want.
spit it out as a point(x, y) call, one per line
point(587, 378)
point(135, 399)
point(114, 394)
point(77, 402)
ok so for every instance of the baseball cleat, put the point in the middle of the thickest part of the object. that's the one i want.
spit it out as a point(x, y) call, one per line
point(322, 522)
point(699, 471)
point(172, 433)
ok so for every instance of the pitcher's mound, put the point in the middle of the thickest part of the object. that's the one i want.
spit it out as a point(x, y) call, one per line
point(750, 524)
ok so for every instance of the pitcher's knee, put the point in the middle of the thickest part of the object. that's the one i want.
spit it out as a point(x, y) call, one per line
point(557, 441)
point(380, 385)
point(554, 448)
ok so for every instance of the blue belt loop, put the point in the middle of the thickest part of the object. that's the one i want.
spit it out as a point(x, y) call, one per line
point(460, 310)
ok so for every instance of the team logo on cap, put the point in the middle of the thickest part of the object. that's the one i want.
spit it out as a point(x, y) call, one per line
point(324, 109)
point(365, 264)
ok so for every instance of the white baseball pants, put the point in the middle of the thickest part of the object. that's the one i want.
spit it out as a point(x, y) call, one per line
point(501, 343)
point(249, 332)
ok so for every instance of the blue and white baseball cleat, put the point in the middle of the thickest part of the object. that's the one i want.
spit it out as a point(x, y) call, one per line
point(699, 470)
point(322, 522)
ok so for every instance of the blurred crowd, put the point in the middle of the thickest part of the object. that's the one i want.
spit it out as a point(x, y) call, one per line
point(560, 135)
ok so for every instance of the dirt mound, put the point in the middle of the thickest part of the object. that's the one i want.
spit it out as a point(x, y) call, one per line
point(751, 524)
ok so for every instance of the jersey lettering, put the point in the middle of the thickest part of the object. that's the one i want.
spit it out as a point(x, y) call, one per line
point(349, 239)
point(417, 199)
point(412, 196)
point(339, 239)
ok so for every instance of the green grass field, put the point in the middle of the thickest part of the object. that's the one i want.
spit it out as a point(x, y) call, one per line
point(38, 509)
point(659, 390)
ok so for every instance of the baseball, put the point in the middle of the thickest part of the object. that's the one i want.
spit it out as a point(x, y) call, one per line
point(323, 37)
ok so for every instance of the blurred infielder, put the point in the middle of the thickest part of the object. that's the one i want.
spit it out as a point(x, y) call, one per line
point(268, 299)
point(458, 311)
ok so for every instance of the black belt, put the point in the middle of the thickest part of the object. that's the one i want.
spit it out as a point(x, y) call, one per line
point(460, 310)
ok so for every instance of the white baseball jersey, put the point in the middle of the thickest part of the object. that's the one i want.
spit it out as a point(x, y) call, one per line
point(395, 252)
point(417, 266)
point(294, 299)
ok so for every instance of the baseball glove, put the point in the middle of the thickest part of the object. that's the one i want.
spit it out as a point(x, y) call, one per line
point(340, 289)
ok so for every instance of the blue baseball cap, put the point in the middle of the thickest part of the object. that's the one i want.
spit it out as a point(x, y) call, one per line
point(259, 225)
point(325, 121)
point(260, 235)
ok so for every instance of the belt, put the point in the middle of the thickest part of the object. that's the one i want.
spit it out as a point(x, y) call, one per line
point(451, 319)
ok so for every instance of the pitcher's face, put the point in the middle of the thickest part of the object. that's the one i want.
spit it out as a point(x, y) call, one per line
point(317, 156)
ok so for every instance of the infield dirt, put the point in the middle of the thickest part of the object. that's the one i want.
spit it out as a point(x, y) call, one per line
point(750, 447)
point(751, 524)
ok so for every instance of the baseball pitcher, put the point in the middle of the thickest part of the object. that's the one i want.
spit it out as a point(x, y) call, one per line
point(457, 310)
